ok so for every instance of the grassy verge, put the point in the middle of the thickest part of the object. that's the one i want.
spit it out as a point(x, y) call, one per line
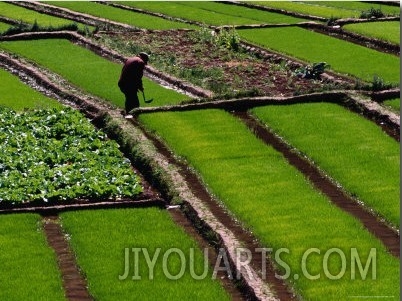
point(328, 9)
point(18, 96)
point(394, 104)
point(388, 31)
point(87, 70)
point(365, 161)
point(308, 9)
point(28, 266)
point(360, 6)
point(29, 16)
point(4, 27)
point(214, 13)
point(99, 239)
point(275, 202)
point(138, 20)
point(339, 54)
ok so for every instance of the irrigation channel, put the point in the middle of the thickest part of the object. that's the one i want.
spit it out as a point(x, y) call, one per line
point(200, 213)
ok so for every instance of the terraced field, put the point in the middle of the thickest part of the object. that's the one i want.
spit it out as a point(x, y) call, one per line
point(288, 190)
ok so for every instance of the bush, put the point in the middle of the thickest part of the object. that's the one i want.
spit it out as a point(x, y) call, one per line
point(372, 13)
point(312, 71)
point(35, 27)
point(229, 39)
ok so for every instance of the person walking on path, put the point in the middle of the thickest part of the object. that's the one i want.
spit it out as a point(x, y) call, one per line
point(130, 81)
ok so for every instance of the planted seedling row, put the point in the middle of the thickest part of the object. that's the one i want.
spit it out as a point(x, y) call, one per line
point(98, 78)
point(277, 207)
point(365, 162)
point(21, 14)
point(120, 16)
point(367, 63)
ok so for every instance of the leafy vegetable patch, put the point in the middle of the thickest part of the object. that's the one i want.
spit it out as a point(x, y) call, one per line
point(55, 155)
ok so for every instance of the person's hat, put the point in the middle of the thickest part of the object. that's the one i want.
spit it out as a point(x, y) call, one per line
point(144, 56)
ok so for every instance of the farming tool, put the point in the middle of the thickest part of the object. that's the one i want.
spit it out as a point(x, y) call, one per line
point(146, 101)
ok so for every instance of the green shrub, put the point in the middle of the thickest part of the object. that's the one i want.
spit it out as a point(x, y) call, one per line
point(229, 39)
point(372, 13)
point(35, 27)
point(312, 71)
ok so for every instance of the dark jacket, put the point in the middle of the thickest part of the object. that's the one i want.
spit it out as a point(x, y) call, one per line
point(131, 75)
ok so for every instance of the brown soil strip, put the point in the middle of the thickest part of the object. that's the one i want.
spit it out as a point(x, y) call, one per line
point(373, 224)
point(381, 96)
point(248, 240)
point(74, 284)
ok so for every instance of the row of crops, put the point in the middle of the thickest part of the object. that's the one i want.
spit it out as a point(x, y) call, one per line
point(250, 179)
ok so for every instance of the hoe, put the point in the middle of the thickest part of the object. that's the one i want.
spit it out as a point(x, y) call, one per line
point(146, 101)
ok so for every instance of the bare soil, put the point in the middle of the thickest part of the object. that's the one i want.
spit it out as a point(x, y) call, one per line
point(221, 70)
point(74, 283)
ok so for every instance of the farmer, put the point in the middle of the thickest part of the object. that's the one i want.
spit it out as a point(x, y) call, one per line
point(131, 79)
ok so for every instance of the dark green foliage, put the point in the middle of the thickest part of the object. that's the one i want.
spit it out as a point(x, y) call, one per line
point(372, 13)
point(54, 155)
point(312, 71)
point(35, 27)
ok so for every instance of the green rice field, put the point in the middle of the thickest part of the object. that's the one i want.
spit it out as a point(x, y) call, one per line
point(99, 76)
point(4, 27)
point(365, 161)
point(272, 199)
point(213, 13)
point(29, 269)
point(320, 251)
point(395, 104)
point(366, 62)
point(99, 239)
point(30, 16)
point(18, 96)
point(119, 15)
point(328, 9)
point(387, 31)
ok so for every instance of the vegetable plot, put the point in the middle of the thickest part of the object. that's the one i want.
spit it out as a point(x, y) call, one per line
point(58, 155)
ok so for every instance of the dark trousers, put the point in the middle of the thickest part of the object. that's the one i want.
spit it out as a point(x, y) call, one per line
point(132, 101)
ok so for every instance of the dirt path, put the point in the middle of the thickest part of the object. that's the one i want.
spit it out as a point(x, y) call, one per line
point(386, 234)
point(74, 284)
